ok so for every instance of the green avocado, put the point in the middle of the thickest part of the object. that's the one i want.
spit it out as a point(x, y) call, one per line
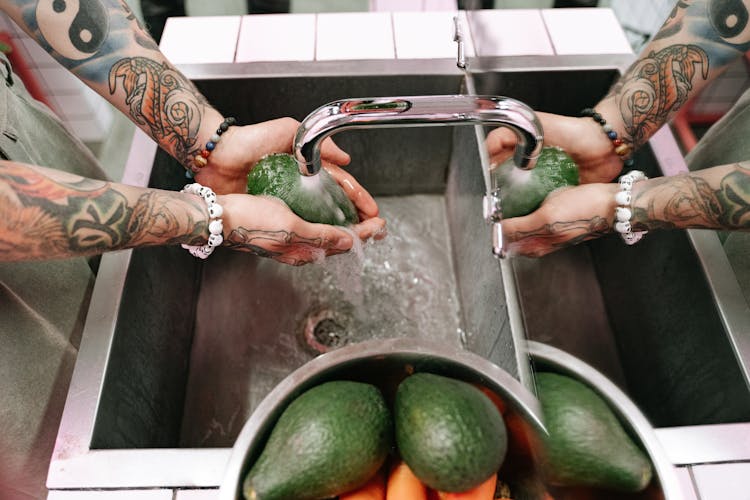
point(331, 439)
point(448, 432)
point(318, 198)
point(586, 445)
point(523, 191)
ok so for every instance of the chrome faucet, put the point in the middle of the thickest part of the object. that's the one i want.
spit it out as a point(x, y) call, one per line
point(424, 111)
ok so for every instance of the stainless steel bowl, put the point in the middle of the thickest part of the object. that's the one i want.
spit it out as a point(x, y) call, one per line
point(383, 363)
point(548, 358)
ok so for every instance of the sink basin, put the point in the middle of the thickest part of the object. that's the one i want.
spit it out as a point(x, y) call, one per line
point(212, 347)
point(177, 353)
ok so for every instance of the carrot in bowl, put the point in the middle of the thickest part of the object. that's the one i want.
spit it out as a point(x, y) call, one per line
point(404, 485)
point(485, 491)
point(374, 489)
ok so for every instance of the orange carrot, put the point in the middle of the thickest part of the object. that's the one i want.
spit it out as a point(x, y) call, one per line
point(374, 489)
point(404, 485)
point(485, 491)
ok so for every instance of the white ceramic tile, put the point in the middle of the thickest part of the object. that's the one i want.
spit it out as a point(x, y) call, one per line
point(88, 130)
point(74, 106)
point(111, 495)
point(722, 481)
point(585, 31)
point(208, 39)
point(355, 35)
point(396, 5)
point(440, 5)
point(197, 495)
point(277, 37)
point(686, 483)
point(511, 32)
point(428, 35)
point(60, 81)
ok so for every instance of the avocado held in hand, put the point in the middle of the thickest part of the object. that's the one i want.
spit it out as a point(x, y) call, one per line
point(523, 191)
point(331, 439)
point(316, 199)
point(585, 444)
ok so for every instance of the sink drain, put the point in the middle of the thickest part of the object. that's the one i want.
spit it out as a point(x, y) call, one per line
point(325, 330)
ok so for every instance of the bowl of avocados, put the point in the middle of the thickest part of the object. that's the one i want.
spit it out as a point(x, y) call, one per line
point(370, 376)
point(617, 454)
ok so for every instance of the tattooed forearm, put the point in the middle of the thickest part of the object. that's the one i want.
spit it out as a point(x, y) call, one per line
point(275, 244)
point(696, 43)
point(714, 199)
point(554, 236)
point(44, 218)
point(657, 86)
point(104, 43)
point(162, 99)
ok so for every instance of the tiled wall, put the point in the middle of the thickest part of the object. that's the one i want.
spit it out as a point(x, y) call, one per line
point(87, 113)
point(391, 35)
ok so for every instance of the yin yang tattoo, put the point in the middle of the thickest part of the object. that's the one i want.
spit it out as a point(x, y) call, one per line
point(730, 20)
point(87, 23)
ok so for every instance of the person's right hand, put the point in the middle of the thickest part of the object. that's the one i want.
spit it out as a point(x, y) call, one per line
point(582, 138)
point(265, 226)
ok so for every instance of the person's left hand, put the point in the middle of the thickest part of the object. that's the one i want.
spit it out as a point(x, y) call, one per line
point(567, 217)
point(242, 147)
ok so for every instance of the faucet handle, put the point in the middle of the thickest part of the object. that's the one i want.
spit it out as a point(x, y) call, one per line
point(491, 207)
point(498, 250)
point(493, 214)
point(458, 37)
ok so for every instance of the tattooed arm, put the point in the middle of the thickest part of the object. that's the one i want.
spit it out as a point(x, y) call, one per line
point(697, 42)
point(714, 198)
point(104, 44)
point(48, 214)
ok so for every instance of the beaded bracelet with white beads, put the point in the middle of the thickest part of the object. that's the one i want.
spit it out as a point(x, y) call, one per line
point(215, 226)
point(624, 212)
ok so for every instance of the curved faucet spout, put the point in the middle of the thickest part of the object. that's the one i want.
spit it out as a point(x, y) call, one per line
point(418, 111)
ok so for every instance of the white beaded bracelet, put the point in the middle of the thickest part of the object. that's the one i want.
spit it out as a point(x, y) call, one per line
point(623, 212)
point(215, 226)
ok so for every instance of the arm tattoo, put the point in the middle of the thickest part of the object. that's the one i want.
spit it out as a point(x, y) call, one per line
point(691, 201)
point(673, 24)
point(656, 86)
point(561, 234)
point(161, 98)
point(104, 43)
point(41, 218)
point(707, 35)
point(262, 243)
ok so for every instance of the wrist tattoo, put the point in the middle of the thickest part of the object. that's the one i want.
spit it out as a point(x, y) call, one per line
point(162, 99)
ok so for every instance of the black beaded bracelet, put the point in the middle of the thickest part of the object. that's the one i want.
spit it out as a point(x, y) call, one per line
point(622, 149)
point(200, 159)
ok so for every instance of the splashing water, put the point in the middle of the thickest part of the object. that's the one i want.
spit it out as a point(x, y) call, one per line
point(400, 286)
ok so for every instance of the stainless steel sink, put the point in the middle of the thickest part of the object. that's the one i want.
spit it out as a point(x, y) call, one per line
point(177, 353)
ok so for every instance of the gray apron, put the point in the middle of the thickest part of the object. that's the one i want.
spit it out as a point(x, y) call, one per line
point(42, 304)
point(728, 141)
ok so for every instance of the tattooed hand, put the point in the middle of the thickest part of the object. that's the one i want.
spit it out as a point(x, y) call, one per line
point(567, 217)
point(713, 198)
point(265, 226)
